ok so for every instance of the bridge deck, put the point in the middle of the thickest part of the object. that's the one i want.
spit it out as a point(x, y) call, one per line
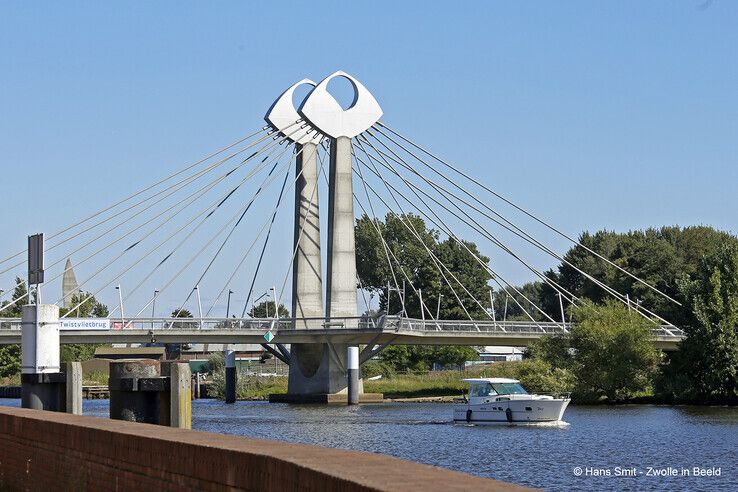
point(345, 330)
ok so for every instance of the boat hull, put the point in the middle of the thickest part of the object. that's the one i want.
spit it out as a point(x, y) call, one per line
point(511, 412)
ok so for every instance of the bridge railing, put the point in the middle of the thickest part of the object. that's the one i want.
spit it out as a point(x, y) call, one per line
point(382, 323)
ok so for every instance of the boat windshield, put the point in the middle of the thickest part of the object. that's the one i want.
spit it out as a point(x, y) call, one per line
point(508, 389)
point(484, 389)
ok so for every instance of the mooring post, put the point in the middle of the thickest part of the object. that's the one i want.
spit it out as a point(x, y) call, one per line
point(353, 374)
point(230, 376)
point(42, 384)
point(180, 396)
point(128, 400)
point(197, 385)
point(74, 388)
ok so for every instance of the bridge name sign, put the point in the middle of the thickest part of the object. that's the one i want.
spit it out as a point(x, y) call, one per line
point(84, 324)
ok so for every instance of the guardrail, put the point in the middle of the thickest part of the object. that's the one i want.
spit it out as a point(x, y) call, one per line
point(380, 324)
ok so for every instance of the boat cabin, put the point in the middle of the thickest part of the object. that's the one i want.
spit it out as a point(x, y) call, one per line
point(486, 387)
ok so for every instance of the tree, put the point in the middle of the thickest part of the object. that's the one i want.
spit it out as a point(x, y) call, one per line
point(614, 355)
point(710, 349)
point(89, 307)
point(414, 256)
point(10, 355)
point(409, 258)
point(662, 257)
point(265, 309)
point(423, 357)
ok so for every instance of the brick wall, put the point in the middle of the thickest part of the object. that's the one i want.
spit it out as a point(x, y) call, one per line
point(54, 451)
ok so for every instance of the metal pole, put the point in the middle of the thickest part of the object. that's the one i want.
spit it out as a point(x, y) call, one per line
point(353, 374)
point(230, 376)
point(276, 303)
point(422, 307)
point(438, 306)
point(228, 305)
point(492, 304)
point(266, 304)
point(504, 315)
point(561, 305)
point(386, 307)
point(153, 308)
point(199, 304)
point(120, 301)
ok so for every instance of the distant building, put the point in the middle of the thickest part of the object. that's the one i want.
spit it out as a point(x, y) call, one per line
point(496, 353)
point(70, 287)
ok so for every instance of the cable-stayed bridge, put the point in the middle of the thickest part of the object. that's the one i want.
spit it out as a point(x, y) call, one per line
point(211, 225)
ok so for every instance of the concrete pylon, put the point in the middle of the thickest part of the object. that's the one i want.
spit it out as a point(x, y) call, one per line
point(307, 278)
point(70, 287)
point(341, 272)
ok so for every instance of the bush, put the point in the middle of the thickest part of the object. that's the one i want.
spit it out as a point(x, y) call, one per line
point(536, 375)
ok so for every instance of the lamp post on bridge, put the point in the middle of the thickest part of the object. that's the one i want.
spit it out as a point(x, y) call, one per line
point(120, 304)
point(153, 307)
point(199, 304)
point(228, 304)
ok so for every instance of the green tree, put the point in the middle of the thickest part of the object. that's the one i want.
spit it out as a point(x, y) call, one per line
point(265, 309)
point(663, 257)
point(411, 250)
point(614, 354)
point(89, 307)
point(183, 325)
point(710, 349)
point(10, 355)
point(422, 357)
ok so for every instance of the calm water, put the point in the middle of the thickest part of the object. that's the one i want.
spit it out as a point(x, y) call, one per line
point(600, 438)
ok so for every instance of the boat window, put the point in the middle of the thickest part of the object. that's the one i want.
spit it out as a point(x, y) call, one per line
point(482, 390)
point(509, 389)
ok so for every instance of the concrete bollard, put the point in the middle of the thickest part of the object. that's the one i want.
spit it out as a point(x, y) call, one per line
point(74, 388)
point(352, 361)
point(127, 401)
point(230, 376)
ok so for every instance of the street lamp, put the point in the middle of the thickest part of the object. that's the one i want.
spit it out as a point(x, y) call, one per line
point(153, 307)
point(120, 301)
point(276, 301)
point(199, 304)
point(79, 301)
point(228, 305)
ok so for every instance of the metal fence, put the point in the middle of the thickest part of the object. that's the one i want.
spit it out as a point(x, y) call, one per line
point(381, 323)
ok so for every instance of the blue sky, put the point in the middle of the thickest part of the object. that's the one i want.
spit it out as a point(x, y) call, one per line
point(616, 115)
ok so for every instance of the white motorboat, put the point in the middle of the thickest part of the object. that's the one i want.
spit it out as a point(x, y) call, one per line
point(505, 401)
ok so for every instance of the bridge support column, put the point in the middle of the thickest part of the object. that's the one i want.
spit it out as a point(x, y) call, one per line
point(43, 386)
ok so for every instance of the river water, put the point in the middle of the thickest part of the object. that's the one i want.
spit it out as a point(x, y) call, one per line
point(602, 442)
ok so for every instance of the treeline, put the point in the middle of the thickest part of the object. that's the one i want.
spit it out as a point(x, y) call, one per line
point(695, 266)
point(698, 268)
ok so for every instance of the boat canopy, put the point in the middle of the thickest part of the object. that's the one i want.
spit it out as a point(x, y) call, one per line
point(489, 380)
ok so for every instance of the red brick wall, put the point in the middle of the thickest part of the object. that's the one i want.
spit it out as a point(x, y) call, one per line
point(53, 451)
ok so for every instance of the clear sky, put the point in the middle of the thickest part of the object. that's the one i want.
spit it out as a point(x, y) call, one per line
point(616, 115)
